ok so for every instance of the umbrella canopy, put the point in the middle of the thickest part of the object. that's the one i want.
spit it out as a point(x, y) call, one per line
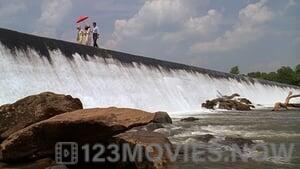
point(81, 18)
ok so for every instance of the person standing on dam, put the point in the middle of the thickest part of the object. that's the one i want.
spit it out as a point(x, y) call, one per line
point(95, 34)
point(87, 40)
point(80, 35)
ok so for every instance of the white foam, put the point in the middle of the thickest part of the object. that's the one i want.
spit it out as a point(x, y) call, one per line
point(100, 84)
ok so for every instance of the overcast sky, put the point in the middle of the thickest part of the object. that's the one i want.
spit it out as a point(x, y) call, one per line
point(217, 34)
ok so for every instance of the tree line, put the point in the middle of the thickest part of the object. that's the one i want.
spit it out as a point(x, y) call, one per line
point(285, 74)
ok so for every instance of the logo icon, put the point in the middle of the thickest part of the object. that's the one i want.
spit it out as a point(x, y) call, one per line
point(66, 153)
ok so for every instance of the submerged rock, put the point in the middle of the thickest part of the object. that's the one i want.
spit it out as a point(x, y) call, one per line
point(163, 131)
point(149, 127)
point(189, 119)
point(204, 138)
point(241, 142)
point(32, 109)
point(81, 126)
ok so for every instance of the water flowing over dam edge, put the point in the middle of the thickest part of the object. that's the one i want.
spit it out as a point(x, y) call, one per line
point(99, 77)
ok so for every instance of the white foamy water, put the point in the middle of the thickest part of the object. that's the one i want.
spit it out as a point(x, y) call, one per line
point(100, 83)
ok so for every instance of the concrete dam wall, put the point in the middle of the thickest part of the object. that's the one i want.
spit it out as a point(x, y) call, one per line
point(100, 78)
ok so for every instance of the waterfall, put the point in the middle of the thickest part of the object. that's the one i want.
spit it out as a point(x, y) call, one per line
point(102, 78)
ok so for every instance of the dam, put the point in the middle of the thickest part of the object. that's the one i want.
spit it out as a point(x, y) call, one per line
point(100, 78)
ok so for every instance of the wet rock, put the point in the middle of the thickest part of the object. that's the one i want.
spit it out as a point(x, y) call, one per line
point(146, 139)
point(162, 117)
point(228, 103)
point(189, 119)
point(190, 141)
point(241, 142)
point(204, 138)
point(32, 109)
point(210, 104)
point(148, 127)
point(245, 101)
point(163, 131)
point(176, 131)
point(233, 104)
point(231, 96)
point(242, 106)
point(81, 126)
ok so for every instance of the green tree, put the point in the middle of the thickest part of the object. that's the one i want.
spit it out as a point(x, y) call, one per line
point(272, 76)
point(286, 75)
point(235, 70)
point(254, 74)
point(297, 69)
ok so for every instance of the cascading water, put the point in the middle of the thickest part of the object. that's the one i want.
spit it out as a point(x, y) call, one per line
point(100, 78)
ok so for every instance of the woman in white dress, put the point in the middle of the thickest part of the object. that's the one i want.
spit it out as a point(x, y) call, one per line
point(88, 35)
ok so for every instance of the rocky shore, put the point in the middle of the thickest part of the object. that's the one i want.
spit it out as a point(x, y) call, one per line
point(31, 127)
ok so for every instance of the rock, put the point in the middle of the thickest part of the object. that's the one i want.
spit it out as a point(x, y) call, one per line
point(234, 104)
point(242, 107)
point(163, 131)
point(32, 109)
point(241, 142)
point(162, 117)
point(146, 139)
point(229, 103)
point(226, 105)
point(189, 119)
point(81, 126)
point(176, 130)
point(148, 127)
point(210, 104)
point(231, 96)
point(190, 141)
point(46, 163)
point(245, 101)
point(204, 138)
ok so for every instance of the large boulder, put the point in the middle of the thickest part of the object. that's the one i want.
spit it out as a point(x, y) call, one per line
point(145, 140)
point(81, 126)
point(32, 109)
point(162, 117)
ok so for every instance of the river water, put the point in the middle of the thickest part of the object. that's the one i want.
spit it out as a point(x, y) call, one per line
point(262, 126)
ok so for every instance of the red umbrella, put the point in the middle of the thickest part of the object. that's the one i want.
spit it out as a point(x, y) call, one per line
point(81, 18)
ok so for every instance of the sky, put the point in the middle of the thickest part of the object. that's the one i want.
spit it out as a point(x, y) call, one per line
point(256, 35)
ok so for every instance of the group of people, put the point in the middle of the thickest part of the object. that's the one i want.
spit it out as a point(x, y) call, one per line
point(87, 35)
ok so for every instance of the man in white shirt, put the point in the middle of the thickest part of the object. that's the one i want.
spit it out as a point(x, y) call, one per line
point(95, 34)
